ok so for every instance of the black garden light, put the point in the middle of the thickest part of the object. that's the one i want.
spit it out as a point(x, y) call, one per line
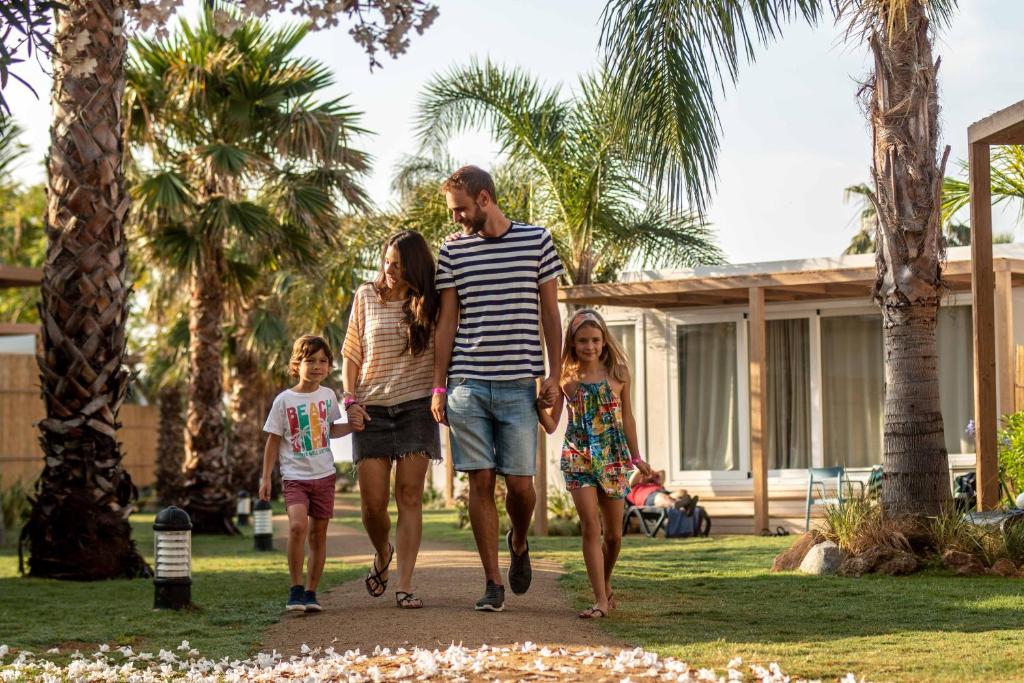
point(263, 525)
point(172, 540)
point(244, 508)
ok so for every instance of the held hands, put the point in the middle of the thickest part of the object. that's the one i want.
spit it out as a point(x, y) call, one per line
point(357, 416)
point(549, 390)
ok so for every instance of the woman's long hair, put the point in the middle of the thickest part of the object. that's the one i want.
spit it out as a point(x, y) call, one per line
point(418, 271)
point(613, 358)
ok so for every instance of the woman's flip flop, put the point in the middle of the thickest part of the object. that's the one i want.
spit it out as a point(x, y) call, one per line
point(407, 600)
point(592, 613)
point(375, 583)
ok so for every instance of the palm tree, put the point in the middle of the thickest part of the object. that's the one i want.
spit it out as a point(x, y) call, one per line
point(585, 189)
point(665, 57)
point(234, 156)
point(1007, 184)
point(78, 527)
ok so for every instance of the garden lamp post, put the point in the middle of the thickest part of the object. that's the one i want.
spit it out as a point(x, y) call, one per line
point(243, 508)
point(263, 526)
point(172, 540)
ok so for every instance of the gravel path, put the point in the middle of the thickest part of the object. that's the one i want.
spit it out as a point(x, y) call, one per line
point(449, 580)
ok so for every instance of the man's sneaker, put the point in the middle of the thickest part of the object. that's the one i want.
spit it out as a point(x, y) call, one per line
point(520, 573)
point(295, 601)
point(493, 600)
point(312, 604)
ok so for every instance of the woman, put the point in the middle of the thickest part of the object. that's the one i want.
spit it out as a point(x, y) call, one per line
point(387, 371)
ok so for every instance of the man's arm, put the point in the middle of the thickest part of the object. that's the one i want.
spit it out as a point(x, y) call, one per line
point(444, 341)
point(552, 322)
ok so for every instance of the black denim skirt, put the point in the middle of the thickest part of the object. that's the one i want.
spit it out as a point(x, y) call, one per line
point(394, 431)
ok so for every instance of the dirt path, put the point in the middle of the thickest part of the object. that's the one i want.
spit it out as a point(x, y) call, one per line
point(449, 580)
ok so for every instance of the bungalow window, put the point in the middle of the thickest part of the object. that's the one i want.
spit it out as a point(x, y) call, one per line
point(853, 390)
point(788, 361)
point(625, 334)
point(708, 396)
point(954, 338)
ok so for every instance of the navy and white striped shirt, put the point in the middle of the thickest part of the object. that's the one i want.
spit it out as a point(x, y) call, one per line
point(497, 280)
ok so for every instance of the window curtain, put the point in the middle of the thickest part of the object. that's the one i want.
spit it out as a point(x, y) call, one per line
point(626, 336)
point(853, 390)
point(708, 417)
point(788, 353)
point(955, 342)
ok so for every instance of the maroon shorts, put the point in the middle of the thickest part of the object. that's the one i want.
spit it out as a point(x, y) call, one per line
point(316, 494)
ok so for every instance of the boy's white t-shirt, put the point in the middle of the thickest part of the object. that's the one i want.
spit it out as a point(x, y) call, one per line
point(303, 421)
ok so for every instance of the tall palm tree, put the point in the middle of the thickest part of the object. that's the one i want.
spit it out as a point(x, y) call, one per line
point(234, 155)
point(665, 57)
point(599, 211)
point(78, 527)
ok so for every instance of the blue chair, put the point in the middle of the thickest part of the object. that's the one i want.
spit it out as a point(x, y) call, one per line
point(820, 480)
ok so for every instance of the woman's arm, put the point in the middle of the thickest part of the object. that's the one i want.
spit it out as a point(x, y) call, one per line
point(629, 424)
point(270, 453)
point(444, 342)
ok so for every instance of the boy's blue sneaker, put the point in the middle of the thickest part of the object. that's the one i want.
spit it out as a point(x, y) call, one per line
point(312, 604)
point(295, 599)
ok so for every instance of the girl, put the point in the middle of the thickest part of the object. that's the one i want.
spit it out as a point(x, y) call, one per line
point(600, 445)
point(387, 371)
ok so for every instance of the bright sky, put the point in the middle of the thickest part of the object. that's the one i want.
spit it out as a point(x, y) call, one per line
point(794, 135)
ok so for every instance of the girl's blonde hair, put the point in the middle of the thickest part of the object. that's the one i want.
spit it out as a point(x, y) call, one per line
point(612, 356)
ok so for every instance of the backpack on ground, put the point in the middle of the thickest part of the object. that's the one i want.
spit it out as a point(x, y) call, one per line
point(682, 525)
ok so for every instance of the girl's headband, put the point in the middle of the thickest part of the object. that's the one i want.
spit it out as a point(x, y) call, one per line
point(584, 317)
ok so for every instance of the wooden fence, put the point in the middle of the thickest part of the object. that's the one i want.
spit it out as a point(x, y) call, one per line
point(21, 406)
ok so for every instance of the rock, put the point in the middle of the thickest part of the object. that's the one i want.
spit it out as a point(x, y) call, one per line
point(1004, 567)
point(963, 563)
point(898, 563)
point(790, 559)
point(823, 558)
point(864, 562)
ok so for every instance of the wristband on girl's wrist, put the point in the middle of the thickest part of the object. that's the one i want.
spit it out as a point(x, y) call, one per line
point(636, 460)
point(347, 401)
point(440, 390)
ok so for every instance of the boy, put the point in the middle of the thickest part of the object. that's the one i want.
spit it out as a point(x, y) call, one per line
point(299, 429)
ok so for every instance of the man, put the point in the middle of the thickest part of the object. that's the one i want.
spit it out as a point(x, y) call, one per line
point(497, 283)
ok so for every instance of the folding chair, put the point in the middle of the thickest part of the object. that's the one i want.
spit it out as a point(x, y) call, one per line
point(818, 480)
point(652, 519)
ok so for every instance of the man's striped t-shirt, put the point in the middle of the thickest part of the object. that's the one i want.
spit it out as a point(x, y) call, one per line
point(497, 280)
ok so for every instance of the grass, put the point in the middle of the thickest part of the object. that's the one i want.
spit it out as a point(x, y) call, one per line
point(237, 592)
point(707, 600)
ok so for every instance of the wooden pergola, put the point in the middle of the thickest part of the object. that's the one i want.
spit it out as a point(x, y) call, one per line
point(752, 291)
point(18, 276)
point(1005, 127)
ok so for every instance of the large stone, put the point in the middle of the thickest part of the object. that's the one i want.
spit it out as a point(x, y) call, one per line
point(823, 558)
point(898, 563)
point(790, 559)
point(1004, 567)
point(963, 563)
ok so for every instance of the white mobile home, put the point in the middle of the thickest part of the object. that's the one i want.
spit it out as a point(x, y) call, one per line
point(689, 337)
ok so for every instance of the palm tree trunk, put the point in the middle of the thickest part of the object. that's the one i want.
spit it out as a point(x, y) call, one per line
point(209, 498)
point(247, 419)
point(908, 182)
point(78, 528)
point(170, 450)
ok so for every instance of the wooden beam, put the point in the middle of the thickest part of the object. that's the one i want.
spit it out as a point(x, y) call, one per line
point(758, 409)
point(17, 329)
point(540, 483)
point(449, 469)
point(1005, 360)
point(19, 276)
point(982, 287)
point(1005, 127)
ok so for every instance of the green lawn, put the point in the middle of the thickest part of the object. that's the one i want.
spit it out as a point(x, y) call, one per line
point(707, 600)
point(237, 592)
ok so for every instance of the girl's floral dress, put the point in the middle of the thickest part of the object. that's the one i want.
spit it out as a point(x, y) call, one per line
point(595, 452)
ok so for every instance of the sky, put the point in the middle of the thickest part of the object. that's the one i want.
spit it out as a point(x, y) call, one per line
point(793, 131)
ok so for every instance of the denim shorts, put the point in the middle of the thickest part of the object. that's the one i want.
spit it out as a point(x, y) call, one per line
point(493, 425)
point(396, 431)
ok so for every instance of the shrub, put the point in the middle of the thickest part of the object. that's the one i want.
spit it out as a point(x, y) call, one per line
point(345, 477)
point(562, 517)
point(857, 524)
point(1011, 455)
point(14, 506)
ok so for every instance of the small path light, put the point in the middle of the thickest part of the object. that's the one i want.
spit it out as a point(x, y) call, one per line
point(172, 540)
point(244, 508)
point(263, 525)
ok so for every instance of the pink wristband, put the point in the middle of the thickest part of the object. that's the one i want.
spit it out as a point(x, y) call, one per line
point(636, 460)
point(440, 390)
point(348, 401)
